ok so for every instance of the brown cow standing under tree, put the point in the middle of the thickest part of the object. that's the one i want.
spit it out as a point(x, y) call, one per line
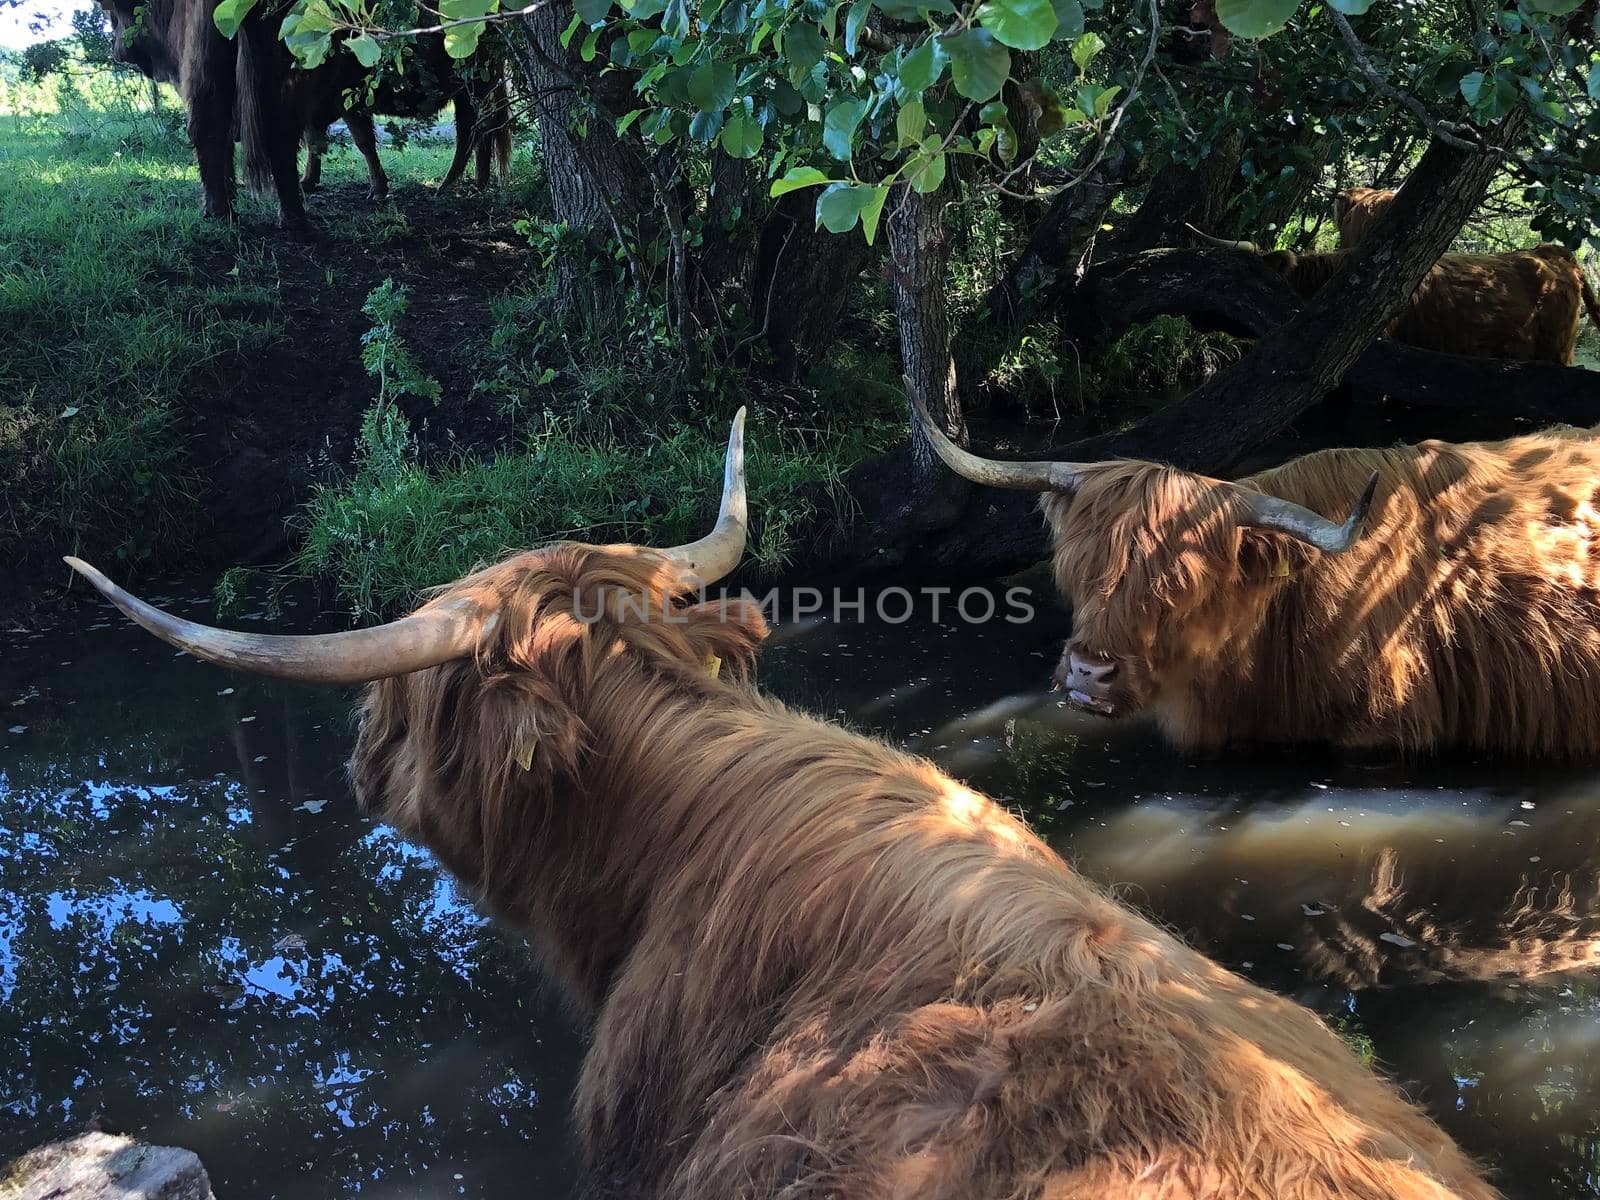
point(250, 86)
point(816, 966)
point(431, 78)
point(1518, 304)
point(177, 42)
point(1468, 614)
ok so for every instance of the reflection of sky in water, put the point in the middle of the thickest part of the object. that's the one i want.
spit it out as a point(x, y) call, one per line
point(202, 942)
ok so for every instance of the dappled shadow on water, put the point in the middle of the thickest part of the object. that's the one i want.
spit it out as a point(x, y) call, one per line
point(202, 942)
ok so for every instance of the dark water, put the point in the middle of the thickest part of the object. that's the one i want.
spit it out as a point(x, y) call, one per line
point(202, 943)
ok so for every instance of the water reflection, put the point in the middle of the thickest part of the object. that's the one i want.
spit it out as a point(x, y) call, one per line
point(201, 942)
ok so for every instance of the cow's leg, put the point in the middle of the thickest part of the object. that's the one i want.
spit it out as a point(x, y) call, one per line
point(285, 145)
point(365, 137)
point(272, 117)
point(209, 89)
point(316, 141)
point(483, 141)
point(466, 133)
point(211, 134)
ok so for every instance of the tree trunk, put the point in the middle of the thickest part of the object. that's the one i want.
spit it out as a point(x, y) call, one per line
point(801, 282)
point(1211, 429)
point(727, 257)
point(599, 187)
point(1290, 195)
point(1059, 241)
point(1234, 293)
point(919, 247)
point(1181, 194)
point(919, 251)
point(1228, 418)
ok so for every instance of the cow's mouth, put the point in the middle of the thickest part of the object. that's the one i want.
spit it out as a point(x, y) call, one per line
point(1090, 703)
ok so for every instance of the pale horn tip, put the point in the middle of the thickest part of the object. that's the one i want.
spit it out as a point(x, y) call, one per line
point(1358, 514)
point(735, 503)
point(89, 572)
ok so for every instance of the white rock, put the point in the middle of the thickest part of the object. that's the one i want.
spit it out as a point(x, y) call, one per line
point(103, 1166)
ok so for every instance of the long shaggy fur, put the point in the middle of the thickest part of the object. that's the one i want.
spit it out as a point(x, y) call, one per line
point(1520, 304)
point(1356, 209)
point(1467, 614)
point(817, 967)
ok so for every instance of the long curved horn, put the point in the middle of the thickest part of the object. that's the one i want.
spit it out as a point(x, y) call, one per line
point(1285, 516)
point(1250, 247)
point(1035, 476)
point(424, 639)
point(718, 553)
point(434, 635)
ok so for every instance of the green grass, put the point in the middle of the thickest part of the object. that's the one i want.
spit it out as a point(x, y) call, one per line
point(111, 309)
point(398, 526)
point(121, 307)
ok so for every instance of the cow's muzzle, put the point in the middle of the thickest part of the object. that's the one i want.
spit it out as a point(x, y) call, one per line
point(1088, 683)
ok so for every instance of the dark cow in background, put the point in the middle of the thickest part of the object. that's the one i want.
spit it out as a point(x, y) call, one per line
point(431, 79)
point(1468, 615)
point(249, 86)
point(1519, 304)
point(1355, 210)
point(177, 42)
point(816, 966)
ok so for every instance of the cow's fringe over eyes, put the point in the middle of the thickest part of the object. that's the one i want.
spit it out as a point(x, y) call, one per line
point(1468, 613)
point(816, 966)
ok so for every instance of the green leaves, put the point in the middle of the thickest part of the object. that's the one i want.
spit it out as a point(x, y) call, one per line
point(796, 178)
point(843, 204)
point(591, 12)
point(1069, 18)
point(909, 123)
point(230, 14)
point(711, 87)
point(1020, 24)
point(978, 64)
point(839, 127)
point(923, 67)
point(803, 47)
point(365, 50)
point(1492, 96)
point(742, 136)
point(926, 172)
point(1086, 49)
point(854, 23)
point(1350, 8)
point(1255, 18)
point(462, 40)
point(308, 34)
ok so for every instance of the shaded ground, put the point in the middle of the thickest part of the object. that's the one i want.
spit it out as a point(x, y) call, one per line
point(279, 421)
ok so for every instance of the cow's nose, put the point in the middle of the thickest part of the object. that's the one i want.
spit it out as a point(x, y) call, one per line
point(1088, 673)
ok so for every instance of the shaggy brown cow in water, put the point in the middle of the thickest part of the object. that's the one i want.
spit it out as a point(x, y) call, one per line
point(816, 966)
point(1356, 209)
point(1468, 614)
point(1520, 304)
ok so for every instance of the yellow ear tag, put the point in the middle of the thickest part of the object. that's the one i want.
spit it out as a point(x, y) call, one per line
point(1281, 570)
point(525, 755)
point(714, 665)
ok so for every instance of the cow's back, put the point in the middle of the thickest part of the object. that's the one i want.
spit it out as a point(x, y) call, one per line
point(1523, 304)
point(1468, 613)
